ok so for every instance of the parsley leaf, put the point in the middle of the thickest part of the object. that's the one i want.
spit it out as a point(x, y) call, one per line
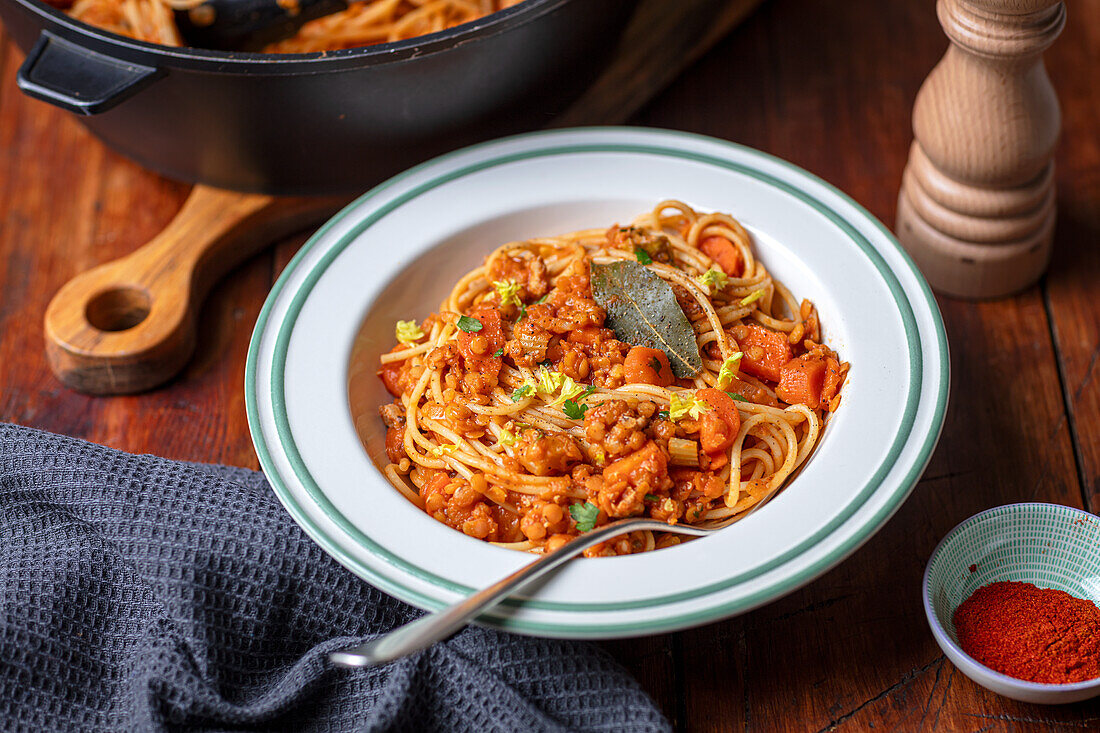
point(499, 352)
point(585, 515)
point(643, 256)
point(522, 391)
point(736, 396)
point(573, 397)
point(541, 300)
point(652, 497)
point(468, 324)
point(663, 415)
point(573, 411)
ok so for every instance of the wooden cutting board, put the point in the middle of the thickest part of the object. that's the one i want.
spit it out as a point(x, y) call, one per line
point(130, 325)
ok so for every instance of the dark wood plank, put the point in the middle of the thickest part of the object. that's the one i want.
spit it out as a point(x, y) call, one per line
point(853, 649)
point(1072, 286)
point(686, 29)
point(66, 204)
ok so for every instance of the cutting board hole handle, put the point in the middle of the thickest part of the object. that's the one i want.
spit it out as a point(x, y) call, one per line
point(118, 309)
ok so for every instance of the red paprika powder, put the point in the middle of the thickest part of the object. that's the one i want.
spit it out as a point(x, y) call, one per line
point(1034, 634)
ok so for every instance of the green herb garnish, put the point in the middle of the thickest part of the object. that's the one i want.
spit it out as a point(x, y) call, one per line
point(652, 497)
point(468, 324)
point(573, 411)
point(499, 352)
point(585, 515)
point(643, 256)
point(736, 396)
point(522, 391)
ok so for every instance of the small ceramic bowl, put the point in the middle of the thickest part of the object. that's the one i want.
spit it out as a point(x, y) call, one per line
point(1049, 545)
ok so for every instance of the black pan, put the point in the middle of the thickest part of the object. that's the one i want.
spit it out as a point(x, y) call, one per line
point(315, 123)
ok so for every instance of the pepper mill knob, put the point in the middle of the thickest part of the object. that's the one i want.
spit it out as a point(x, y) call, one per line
point(976, 206)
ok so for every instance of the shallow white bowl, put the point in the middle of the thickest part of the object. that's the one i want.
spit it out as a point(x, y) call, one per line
point(1049, 545)
point(394, 254)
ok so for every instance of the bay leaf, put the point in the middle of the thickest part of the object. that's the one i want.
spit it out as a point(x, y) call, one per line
point(642, 310)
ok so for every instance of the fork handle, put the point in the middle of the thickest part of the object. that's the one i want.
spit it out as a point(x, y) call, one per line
point(425, 631)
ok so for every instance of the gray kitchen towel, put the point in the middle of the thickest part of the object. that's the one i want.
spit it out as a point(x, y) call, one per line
point(142, 594)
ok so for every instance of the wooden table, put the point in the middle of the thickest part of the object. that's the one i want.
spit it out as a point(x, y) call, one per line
point(826, 85)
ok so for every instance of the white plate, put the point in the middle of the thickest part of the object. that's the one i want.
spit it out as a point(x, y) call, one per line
point(440, 219)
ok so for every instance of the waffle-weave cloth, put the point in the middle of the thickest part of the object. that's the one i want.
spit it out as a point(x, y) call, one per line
point(143, 594)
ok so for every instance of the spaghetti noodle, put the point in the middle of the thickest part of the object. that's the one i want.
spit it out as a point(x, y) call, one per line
point(363, 23)
point(520, 417)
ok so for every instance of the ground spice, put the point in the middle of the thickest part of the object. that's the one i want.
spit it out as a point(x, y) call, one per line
point(1034, 634)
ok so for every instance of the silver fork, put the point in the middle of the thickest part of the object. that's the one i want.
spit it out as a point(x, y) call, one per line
point(425, 631)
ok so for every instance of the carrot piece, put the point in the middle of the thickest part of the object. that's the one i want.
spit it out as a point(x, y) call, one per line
point(645, 466)
point(765, 351)
point(589, 335)
point(720, 425)
point(832, 382)
point(648, 366)
point(722, 251)
point(751, 392)
point(390, 374)
point(801, 381)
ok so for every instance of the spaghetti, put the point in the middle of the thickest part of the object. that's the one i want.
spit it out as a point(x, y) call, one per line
point(363, 23)
point(520, 417)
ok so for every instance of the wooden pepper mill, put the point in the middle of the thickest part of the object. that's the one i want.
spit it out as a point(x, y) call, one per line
point(976, 207)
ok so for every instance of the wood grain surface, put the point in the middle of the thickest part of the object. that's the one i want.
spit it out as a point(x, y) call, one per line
point(826, 84)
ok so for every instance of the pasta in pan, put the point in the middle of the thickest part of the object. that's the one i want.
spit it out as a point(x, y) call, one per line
point(655, 369)
point(363, 23)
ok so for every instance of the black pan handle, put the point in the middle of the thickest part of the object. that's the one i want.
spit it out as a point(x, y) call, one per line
point(78, 79)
